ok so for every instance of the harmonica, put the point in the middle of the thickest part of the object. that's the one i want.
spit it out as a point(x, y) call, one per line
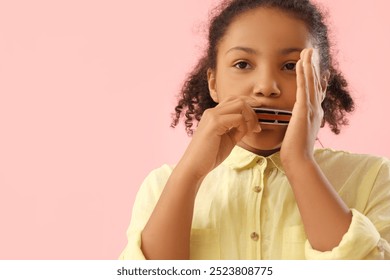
point(273, 116)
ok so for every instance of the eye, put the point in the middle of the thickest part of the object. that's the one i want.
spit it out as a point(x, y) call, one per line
point(242, 65)
point(290, 66)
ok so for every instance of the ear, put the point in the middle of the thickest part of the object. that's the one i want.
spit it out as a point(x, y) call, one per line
point(212, 84)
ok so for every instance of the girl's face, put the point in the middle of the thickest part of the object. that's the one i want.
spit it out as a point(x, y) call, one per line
point(257, 58)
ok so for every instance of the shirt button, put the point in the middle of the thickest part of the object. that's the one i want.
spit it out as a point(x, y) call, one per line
point(257, 189)
point(254, 236)
point(380, 248)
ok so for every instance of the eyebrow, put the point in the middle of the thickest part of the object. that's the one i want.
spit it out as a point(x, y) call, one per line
point(253, 51)
point(244, 49)
point(290, 50)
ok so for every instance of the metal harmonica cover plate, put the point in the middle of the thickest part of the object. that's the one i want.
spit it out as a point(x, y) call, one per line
point(273, 116)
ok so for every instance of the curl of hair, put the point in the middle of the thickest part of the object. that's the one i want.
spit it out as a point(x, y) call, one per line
point(194, 97)
point(337, 102)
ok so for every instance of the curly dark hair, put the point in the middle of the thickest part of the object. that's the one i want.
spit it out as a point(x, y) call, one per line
point(194, 97)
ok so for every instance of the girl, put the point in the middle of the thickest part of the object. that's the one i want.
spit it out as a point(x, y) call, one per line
point(250, 190)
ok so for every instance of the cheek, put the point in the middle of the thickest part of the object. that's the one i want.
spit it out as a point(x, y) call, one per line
point(290, 91)
point(231, 85)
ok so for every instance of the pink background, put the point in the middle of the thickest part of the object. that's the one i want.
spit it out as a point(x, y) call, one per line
point(86, 93)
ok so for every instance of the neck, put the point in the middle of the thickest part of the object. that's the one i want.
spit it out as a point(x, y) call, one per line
point(264, 153)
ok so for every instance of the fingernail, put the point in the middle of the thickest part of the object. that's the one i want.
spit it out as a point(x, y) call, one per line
point(257, 128)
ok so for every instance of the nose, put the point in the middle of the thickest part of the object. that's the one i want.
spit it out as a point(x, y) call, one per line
point(266, 84)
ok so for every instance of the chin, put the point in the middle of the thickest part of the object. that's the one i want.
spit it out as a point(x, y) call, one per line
point(266, 140)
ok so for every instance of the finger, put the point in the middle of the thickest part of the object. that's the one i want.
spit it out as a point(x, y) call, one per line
point(317, 85)
point(251, 118)
point(232, 124)
point(301, 97)
point(319, 94)
point(236, 103)
point(316, 95)
point(309, 75)
point(238, 132)
point(241, 105)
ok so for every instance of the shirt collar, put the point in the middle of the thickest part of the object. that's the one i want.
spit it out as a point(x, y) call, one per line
point(240, 158)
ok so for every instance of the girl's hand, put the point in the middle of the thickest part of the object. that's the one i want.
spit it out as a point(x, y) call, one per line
point(301, 134)
point(219, 130)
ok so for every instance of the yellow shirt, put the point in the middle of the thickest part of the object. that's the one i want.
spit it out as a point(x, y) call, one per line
point(245, 209)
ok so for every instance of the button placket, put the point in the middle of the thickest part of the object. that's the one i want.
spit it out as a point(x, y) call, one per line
point(257, 189)
point(261, 162)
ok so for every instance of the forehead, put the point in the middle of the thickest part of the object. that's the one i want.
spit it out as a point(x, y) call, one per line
point(266, 29)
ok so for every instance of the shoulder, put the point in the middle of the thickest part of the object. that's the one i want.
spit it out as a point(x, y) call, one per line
point(155, 181)
point(352, 164)
point(161, 173)
point(344, 157)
